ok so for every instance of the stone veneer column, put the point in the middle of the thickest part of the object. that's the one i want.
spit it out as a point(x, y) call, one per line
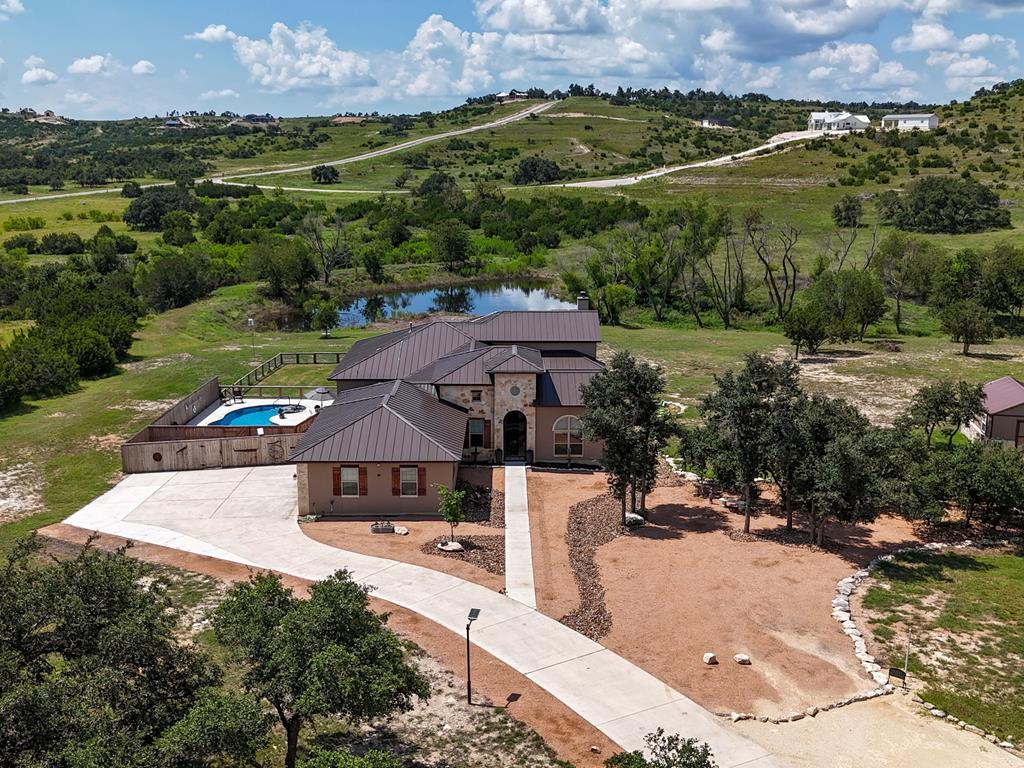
point(505, 401)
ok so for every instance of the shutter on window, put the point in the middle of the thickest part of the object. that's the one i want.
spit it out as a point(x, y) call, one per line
point(336, 472)
point(421, 481)
point(363, 490)
point(487, 433)
point(396, 481)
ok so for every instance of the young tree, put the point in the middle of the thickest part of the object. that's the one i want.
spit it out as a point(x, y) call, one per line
point(322, 314)
point(848, 212)
point(450, 507)
point(451, 244)
point(905, 266)
point(968, 322)
point(326, 655)
point(624, 412)
point(931, 406)
point(806, 326)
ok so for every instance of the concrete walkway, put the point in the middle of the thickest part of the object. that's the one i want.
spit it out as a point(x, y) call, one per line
point(248, 516)
point(518, 548)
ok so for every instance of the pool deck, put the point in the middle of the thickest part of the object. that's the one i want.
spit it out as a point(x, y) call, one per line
point(217, 411)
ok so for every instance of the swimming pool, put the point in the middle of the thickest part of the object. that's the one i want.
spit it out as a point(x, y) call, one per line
point(250, 416)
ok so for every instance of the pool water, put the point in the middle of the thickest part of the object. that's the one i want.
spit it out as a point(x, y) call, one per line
point(250, 416)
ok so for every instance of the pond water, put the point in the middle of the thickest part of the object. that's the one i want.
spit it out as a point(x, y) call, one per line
point(479, 299)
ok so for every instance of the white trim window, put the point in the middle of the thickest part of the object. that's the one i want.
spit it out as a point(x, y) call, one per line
point(410, 483)
point(568, 434)
point(476, 433)
point(350, 481)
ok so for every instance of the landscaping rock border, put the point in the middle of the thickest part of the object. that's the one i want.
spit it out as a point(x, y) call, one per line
point(592, 522)
point(841, 612)
point(487, 552)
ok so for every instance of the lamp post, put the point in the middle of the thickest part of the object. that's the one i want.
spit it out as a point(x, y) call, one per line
point(252, 329)
point(474, 614)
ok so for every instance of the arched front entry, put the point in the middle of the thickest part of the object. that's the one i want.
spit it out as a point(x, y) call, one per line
point(514, 431)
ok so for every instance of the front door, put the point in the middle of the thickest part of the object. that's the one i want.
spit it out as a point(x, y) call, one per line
point(514, 429)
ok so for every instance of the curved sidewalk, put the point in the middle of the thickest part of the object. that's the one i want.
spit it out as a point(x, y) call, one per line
point(246, 515)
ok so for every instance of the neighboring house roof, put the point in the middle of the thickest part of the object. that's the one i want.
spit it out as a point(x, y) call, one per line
point(1002, 394)
point(392, 421)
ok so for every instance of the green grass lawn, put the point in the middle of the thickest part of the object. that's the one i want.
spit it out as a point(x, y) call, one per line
point(314, 375)
point(966, 616)
point(71, 442)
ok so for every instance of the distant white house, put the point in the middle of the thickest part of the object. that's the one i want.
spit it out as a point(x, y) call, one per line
point(712, 122)
point(922, 122)
point(837, 121)
point(513, 95)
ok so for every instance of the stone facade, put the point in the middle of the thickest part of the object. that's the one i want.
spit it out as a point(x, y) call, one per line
point(462, 396)
point(505, 401)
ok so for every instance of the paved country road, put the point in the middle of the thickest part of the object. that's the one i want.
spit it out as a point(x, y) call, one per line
point(775, 142)
point(521, 115)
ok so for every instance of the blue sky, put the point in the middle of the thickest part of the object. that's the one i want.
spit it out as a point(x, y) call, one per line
point(119, 59)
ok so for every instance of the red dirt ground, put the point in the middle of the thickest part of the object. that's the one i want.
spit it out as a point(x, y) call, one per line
point(680, 587)
point(564, 731)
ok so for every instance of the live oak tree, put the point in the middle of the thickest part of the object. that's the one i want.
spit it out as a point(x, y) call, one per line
point(969, 323)
point(325, 655)
point(665, 751)
point(91, 671)
point(954, 404)
point(624, 411)
point(737, 416)
point(324, 174)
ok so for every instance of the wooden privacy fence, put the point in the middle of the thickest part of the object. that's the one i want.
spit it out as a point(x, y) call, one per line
point(176, 448)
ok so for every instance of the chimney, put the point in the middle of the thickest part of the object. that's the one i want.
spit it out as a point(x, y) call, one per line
point(583, 301)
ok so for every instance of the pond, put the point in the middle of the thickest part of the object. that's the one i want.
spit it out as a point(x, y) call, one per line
point(478, 299)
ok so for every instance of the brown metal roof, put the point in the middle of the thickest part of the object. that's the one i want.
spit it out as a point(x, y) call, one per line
point(391, 421)
point(1002, 394)
point(395, 355)
point(522, 327)
point(516, 359)
point(570, 361)
point(562, 387)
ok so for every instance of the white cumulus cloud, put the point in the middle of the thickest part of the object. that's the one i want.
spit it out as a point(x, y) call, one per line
point(541, 15)
point(9, 7)
point(78, 97)
point(38, 76)
point(143, 67)
point(223, 93)
point(213, 33)
point(90, 65)
point(34, 61)
point(304, 57)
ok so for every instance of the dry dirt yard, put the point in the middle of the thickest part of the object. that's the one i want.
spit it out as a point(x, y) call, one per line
point(685, 584)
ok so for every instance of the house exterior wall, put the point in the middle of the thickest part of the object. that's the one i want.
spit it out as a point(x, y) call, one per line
point(904, 124)
point(463, 396)
point(1003, 426)
point(505, 401)
point(545, 450)
point(316, 491)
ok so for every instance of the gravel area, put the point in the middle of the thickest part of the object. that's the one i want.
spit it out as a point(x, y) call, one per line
point(487, 552)
point(591, 523)
point(483, 505)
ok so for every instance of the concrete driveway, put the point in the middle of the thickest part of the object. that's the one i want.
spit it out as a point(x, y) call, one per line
point(247, 516)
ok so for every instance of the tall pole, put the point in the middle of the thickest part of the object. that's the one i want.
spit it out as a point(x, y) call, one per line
point(469, 674)
point(906, 659)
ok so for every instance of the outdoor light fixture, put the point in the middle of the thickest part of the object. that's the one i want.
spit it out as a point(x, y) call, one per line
point(474, 614)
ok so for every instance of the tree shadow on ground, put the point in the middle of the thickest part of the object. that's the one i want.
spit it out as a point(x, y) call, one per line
point(995, 356)
point(671, 521)
point(824, 356)
point(925, 565)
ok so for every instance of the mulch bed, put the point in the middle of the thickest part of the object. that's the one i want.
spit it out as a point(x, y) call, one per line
point(592, 523)
point(487, 552)
point(482, 505)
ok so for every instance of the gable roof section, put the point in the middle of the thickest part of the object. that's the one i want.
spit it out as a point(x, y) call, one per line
point(392, 421)
point(516, 359)
point(397, 354)
point(1002, 394)
point(466, 367)
point(562, 387)
point(514, 327)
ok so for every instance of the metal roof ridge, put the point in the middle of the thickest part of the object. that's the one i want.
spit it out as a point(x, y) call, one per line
point(397, 415)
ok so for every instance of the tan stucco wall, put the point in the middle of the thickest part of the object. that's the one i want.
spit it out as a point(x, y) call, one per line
point(462, 396)
point(1004, 425)
point(545, 450)
point(378, 501)
point(505, 401)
